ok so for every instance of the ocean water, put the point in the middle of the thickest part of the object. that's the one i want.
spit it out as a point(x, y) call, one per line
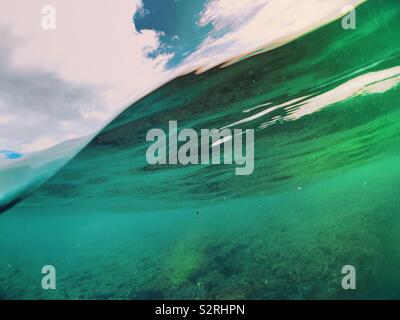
point(324, 192)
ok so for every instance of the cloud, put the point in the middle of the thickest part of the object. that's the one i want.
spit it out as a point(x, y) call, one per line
point(6, 119)
point(95, 43)
point(224, 13)
point(33, 104)
point(83, 73)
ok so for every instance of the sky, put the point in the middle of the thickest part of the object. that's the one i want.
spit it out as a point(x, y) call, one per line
point(62, 84)
point(175, 22)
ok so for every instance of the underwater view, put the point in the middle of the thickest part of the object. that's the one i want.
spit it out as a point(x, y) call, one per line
point(323, 102)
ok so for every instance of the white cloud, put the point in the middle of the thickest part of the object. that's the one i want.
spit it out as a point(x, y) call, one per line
point(95, 43)
point(95, 46)
point(222, 13)
point(6, 119)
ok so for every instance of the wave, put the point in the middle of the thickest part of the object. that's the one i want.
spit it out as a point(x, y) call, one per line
point(320, 104)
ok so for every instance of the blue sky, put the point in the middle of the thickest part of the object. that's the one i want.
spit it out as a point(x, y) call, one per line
point(177, 24)
point(6, 154)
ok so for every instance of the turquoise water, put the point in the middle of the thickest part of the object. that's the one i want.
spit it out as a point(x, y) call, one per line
point(324, 192)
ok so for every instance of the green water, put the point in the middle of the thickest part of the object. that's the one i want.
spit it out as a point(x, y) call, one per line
point(324, 192)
